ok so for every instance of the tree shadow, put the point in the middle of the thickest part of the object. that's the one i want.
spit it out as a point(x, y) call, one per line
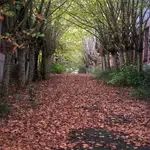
point(97, 139)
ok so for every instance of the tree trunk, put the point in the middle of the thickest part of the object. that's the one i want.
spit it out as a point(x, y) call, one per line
point(139, 61)
point(6, 75)
point(21, 64)
point(132, 56)
point(101, 63)
point(27, 66)
point(31, 65)
point(105, 63)
point(108, 61)
point(36, 72)
point(114, 61)
point(135, 57)
point(121, 58)
point(43, 64)
point(126, 57)
point(141, 38)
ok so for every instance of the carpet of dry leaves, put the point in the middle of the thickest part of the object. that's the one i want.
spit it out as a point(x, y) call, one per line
point(70, 112)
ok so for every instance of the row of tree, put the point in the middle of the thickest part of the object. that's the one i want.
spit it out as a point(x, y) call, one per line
point(30, 33)
point(31, 30)
point(119, 27)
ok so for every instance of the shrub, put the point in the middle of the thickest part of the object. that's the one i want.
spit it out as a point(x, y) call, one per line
point(82, 69)
point(142, 92)
point(4, 110)
point(146, 80)
point(57, 68)
point(103, 75)
point(126, 76)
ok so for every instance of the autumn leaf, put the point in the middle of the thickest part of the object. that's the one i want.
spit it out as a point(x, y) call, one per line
point(75, 112)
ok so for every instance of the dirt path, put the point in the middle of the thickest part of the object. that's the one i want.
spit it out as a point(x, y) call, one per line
point(76, 112)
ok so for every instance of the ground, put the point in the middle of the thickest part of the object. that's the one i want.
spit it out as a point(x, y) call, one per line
point(75, 112)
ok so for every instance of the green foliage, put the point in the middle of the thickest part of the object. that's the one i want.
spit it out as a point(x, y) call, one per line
point(4, 110)
point(82, 69)
point(70, 49)
point(142, 92)
point(57, 68)
point(146, 80)
point(103, 75)
point(6, 10)
point(126, 76)
point(37, 35)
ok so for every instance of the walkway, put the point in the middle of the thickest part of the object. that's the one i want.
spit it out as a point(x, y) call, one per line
point(70, 112)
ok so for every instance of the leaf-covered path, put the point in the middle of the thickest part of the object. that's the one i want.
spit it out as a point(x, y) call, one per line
point(75, 112)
